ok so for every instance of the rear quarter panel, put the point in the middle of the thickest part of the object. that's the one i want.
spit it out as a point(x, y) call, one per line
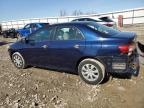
point(93, 42)
point(100, 44)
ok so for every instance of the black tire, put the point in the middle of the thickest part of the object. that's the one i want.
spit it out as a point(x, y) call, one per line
point(12, 35)
point(5, 35)
point(18, 60)
point(91, 75)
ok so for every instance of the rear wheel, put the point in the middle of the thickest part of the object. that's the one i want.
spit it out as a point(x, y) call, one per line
point(91, 71)
point(18, 60)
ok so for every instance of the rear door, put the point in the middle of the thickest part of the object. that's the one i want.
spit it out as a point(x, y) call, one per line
point(67, 47)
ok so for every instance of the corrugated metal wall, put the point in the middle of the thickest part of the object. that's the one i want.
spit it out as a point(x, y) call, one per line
point(131, 16)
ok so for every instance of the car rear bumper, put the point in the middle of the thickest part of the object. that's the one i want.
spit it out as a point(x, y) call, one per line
point(122, 64)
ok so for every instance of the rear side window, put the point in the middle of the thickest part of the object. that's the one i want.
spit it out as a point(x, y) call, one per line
point(68, 33)
point(42, 35)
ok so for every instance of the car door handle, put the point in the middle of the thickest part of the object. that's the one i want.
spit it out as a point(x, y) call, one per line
point(44, 46)
point(76, 46)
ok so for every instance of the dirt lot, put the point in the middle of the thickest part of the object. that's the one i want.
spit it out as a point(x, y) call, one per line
point(41, 88)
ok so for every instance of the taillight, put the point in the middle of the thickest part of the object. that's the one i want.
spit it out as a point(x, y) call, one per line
point(124, 48)
point(127, 48)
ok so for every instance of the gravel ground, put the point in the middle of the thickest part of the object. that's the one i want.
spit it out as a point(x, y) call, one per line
point(43, 88)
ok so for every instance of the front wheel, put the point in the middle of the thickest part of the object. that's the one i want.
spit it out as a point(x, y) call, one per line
point(18, 60)
point(91, 71)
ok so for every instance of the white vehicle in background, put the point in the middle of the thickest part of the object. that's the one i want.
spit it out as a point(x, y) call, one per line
point(102, 20)
point(108, 22)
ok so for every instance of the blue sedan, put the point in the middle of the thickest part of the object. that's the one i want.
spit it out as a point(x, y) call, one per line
point(90, 49)
point(29, 28)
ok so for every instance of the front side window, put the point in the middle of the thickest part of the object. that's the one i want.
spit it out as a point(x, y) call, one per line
point(68, 33)
point(41, 35)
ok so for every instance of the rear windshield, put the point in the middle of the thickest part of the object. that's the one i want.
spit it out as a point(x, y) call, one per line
point(102, 28)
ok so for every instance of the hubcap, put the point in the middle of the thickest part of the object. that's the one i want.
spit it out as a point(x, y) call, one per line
point(17, 60)
point(90, 72)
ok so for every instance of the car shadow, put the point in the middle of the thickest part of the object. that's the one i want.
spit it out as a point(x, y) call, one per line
point(122, 76)
point(57, 70)
point(106, 79)
point(4, 43)
point(115, 75)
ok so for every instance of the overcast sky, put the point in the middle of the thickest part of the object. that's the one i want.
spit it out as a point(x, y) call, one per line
point(21, 9)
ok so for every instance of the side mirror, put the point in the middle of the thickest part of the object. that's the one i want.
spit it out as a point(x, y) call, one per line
point(26, 40)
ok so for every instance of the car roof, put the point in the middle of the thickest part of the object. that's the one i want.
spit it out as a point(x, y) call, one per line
point(89, 19)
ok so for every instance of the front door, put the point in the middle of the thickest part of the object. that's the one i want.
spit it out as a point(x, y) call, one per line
point(36, 50)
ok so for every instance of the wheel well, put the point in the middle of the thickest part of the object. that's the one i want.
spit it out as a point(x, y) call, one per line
point(88, 57)
point(11, 53)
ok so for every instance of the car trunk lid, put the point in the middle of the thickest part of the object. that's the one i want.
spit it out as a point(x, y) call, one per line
point(130, 36)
